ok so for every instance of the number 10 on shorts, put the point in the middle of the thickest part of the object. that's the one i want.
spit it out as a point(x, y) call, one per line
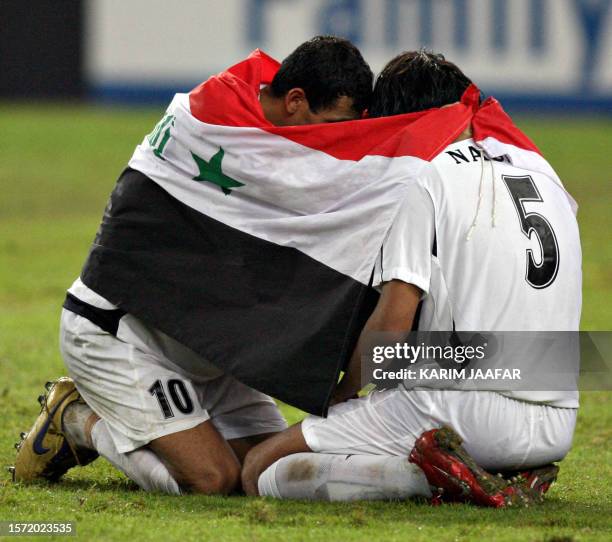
point(173, 395)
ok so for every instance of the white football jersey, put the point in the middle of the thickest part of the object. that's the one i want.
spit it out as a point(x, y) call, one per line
point(492, 246)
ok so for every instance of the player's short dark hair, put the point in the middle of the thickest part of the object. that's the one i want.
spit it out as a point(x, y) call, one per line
point(326, 68)
point(415, 81)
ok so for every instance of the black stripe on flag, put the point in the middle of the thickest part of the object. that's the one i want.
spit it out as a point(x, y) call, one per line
point(271, 316)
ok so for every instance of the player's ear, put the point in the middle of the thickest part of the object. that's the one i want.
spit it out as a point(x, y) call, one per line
point(295, 101)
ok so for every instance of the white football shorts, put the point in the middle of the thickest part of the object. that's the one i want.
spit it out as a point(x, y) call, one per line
point(130, 382)
point(499, 432)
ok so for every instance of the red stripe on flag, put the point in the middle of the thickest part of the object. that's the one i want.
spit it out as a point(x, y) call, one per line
point(492, 121)
point(232, 99)
point(423, 135)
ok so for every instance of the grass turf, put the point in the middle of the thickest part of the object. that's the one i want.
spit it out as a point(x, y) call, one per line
point(57, 167)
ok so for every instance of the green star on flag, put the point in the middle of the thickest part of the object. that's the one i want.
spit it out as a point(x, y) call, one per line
point(211, 172)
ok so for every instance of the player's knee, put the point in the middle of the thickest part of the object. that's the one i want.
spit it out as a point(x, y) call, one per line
point(229, 479)
point(220, 479)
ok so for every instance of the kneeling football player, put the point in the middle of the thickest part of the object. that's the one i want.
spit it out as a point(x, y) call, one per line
point(462, 245)
point(163, 415)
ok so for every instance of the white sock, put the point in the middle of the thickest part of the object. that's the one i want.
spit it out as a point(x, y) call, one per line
point(142, 465)
point(74, 422)
point(331, 477)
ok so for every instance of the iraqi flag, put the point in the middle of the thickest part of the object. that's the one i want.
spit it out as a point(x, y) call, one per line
point(254, 245)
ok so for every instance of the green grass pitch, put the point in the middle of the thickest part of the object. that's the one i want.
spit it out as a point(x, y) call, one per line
point(57, 166)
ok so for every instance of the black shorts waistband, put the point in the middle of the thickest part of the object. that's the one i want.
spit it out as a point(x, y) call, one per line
point(106, 319)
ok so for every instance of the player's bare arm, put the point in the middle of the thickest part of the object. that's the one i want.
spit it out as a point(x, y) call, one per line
point(394, 312)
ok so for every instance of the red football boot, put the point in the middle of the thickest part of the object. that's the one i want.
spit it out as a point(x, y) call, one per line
point(537, 481)
point(455, 476)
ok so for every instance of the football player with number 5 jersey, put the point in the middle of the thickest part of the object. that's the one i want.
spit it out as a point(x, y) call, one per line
point(485, 240)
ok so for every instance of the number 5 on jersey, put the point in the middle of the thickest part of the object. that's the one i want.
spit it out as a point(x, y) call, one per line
point(538, 275)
